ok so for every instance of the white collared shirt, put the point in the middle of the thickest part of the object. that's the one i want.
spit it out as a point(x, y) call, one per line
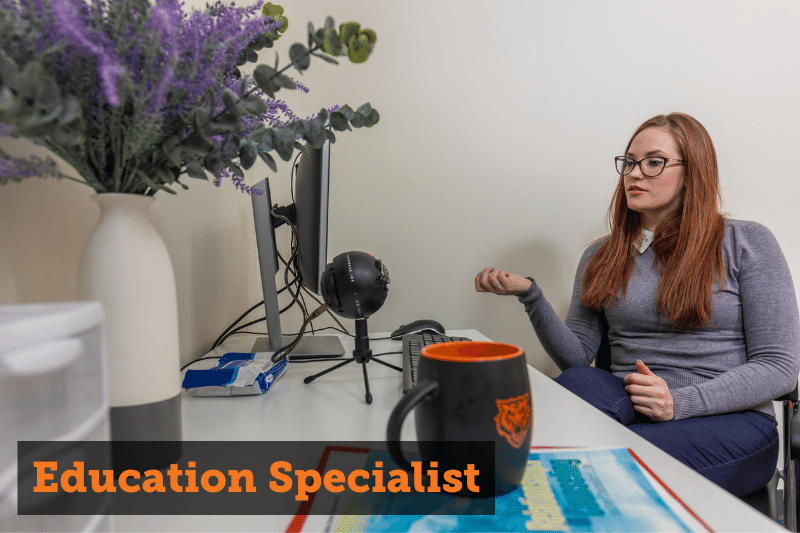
point(644, 241)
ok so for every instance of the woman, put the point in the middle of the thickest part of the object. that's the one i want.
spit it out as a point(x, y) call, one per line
point(699, 312)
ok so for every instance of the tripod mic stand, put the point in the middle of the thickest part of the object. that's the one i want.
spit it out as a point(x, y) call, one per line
point(362, 354)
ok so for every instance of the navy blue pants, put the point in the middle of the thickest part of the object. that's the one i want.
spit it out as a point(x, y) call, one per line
point(737, 451)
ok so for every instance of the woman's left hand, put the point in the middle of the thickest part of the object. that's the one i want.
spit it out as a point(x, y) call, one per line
point(649, 393)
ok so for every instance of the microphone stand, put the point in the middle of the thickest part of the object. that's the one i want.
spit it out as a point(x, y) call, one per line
point(362, 354)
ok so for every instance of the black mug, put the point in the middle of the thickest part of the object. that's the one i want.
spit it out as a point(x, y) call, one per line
point(470, 392)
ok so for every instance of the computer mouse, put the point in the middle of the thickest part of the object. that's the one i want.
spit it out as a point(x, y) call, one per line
point(424, 325)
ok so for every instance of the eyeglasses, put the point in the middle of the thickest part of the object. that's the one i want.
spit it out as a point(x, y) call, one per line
point(650, 166)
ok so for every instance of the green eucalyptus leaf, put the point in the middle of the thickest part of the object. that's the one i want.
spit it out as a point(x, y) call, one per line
point(44, 119)
point(200, 121)
point(227, 121)
point(347, 111)
point(349, 30)
point(299, 56)
point(302, 147)
point(365, 109)
point(248, 153)
point(329, 23)
point(315, 133)
point(152, 184)
point(330, 136)
point(70, 111)
point(236, 169)
point(263, 74)
point(8, 70)
point(358, 120)
point(339, 121)
point(252, 56)
point(173, 155)
point(284, 143)
point(8, 102)
point(242, 59)
point(262, 41)
point(358, 49)
point(49, 95)
point(197, 144)
point(324, 57)
point(266, 143)
point(332, 44)
point(319, 37)
point(65, 136)
point(297, 128)
point(211, 162)
point(370, 35)
point(374, 117)
point(195, 170)
point(230, 98)
point(230, 147)
point(172, 141)
point(31, 129)
point(285, 81)
point(252, 104)
point(31, 78)
point(268, 160)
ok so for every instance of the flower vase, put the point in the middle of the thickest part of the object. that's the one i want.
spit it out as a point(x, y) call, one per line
point(126, 266)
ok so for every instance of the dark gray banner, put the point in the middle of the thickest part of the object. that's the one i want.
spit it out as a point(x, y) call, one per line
point(251, 478)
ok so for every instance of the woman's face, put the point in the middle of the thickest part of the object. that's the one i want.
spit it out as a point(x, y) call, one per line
point(654, 198)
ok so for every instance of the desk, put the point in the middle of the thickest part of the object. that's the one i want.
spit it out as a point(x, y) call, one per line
point(333, 408)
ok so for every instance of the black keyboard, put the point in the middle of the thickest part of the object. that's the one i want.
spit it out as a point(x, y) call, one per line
point(412, 344)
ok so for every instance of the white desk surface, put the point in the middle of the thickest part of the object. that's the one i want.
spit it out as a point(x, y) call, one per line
point(333, 408)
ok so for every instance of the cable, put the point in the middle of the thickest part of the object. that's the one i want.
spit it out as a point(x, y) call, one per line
point(316, 331)
point(222, 336)
point(281, 353)
point(291, 266)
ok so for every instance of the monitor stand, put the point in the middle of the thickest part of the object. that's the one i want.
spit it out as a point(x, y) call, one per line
point(310, 347)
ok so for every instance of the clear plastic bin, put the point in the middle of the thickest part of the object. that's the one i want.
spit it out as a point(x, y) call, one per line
point(52, 371)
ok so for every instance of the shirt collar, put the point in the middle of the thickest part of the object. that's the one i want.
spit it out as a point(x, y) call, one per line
point(643, 242)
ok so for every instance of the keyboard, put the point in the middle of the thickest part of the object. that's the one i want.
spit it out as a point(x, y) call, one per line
point(412, 345)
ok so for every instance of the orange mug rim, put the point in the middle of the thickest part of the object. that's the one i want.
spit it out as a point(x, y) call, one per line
point(429, 352)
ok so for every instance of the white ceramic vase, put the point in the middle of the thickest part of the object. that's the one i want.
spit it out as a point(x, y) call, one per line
point(126, 266)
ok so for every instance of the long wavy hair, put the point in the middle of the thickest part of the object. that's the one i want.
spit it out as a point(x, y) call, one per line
point(687, 242)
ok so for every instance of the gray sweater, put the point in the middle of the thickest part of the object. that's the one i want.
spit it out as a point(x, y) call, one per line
point(748, 356)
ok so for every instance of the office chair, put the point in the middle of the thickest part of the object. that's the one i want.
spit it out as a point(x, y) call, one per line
point(765, 499)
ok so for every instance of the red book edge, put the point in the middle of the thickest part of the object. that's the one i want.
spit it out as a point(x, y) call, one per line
point(669, 490)
point(299, 519)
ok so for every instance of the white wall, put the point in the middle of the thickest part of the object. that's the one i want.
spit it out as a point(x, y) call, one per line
point(499, 122)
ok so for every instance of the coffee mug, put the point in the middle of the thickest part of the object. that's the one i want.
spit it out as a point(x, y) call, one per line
point(469, 392)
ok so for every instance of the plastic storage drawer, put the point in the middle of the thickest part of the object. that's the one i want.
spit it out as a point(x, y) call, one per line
point(52, 371)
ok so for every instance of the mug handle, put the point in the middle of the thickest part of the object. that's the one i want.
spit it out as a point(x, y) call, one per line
point(401, 410)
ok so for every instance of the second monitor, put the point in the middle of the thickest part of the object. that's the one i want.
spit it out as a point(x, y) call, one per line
point(309, 214)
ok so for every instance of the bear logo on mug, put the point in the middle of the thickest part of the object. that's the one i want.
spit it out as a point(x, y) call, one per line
point(513, 419)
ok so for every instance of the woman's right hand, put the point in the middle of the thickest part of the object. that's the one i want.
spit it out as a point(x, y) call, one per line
point(500, 282)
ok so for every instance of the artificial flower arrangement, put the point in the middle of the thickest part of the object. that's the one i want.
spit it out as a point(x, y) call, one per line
point(135, 95)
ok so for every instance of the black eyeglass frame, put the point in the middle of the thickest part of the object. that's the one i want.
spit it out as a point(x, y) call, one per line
point(635, 162)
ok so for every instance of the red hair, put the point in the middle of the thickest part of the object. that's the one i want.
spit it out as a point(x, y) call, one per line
point(687, 243)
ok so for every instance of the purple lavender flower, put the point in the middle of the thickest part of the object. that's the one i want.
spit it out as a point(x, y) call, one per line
point(141, 70)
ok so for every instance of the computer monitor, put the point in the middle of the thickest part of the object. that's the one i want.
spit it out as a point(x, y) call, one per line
point(312, 182)
point(309, 213)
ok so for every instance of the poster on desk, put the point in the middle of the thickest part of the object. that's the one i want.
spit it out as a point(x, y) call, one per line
point(607, 489)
